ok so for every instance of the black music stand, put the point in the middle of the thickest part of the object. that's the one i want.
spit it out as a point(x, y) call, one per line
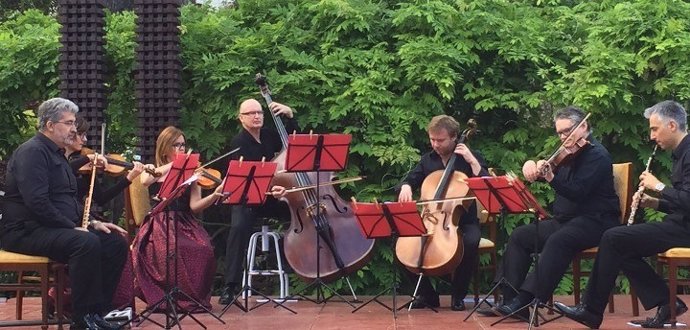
point(246, 184)
point(178, 180)
point(316, 153)
point(388, 220)
point(512, 195)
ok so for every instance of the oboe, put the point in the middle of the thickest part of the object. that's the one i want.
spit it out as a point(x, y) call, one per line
point(640, 191)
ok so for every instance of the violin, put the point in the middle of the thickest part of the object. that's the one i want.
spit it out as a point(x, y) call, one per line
point(209, 178)
point(567, 151)
point(340, 248)
point(441, 250)
point(116, 165)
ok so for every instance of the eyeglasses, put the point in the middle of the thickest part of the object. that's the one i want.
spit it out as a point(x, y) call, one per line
point(179, 145)
point(68, 123)
point(252, 113)
point(82, 136)
point(565, 132)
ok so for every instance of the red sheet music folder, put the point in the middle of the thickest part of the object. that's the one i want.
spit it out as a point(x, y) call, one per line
point(377, 220)
point(248, 181)
point(323, 152)
point(182, 169)
point(496, 191)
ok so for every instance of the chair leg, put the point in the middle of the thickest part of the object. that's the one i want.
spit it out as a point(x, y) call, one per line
point(577, 274)
point(45, 278)
point(611, 304)
point(673, 288)
point(20, 296)
point(475, 283)
point(635, 302)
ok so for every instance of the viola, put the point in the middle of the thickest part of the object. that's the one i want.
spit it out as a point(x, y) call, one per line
point(441, 250)
point(116, 165)
point(346, 249)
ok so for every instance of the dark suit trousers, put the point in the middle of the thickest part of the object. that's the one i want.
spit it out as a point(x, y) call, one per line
point(95, 262)
point(241, 228)
point(556, 244)
point(460, 281)
point(623, 248)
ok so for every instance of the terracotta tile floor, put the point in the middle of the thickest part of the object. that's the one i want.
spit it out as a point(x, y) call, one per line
point(338, 315)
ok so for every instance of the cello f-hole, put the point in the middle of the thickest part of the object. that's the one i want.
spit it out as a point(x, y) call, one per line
point(342, 210)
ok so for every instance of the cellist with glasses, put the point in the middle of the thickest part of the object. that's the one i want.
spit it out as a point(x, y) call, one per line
point(443, 132)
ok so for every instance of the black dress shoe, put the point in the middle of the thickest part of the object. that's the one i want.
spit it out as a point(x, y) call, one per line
point(581, 314)
point(93, 322)
point(512, 307)
point(425, 301)
point(227, 295)
point(681, 308)
point(663, 315)
point(457, 303)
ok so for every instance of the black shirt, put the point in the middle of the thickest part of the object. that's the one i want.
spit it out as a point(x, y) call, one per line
point(41, 189)
point(269, 146)
point(432, 162)
point(675, 199)
point(585, 185)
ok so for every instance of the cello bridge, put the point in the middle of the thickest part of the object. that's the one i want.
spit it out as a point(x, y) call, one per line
point(311, 209)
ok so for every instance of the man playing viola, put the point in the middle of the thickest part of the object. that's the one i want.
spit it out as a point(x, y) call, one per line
point(586, 205)
point(443, 132)
point(255, 143)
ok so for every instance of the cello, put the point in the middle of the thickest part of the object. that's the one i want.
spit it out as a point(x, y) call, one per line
point(440, 251)
point(346, 250)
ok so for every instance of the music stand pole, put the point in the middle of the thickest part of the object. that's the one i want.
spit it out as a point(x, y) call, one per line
point(318, 283)
point(536, 303)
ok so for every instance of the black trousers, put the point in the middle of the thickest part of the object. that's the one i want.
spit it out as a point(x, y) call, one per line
point(243, 220)
point(557, 244)
point(460, 280)
point(95, 260)
point(623, 248)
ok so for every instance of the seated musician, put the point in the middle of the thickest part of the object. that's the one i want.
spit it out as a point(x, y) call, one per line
point(78, 160)
point(586, 205)
point(443, 131)
point(195, 262)
point(41, 216)
point(255, 142)
point(624, 248)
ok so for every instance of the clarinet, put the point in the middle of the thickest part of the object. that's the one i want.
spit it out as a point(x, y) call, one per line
point(638, 195)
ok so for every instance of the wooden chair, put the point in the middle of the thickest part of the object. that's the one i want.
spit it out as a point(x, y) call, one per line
point(486, 246)
point(674, 258)
point(49, 274)
point(623, 183)
point(137, 205)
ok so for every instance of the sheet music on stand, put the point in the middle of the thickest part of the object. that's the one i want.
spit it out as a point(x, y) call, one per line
point(390, 219)
point(247, 182)
point(182, 169)
point(322, 152)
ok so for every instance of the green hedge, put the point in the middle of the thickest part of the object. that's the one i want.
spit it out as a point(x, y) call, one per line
point(380, 69)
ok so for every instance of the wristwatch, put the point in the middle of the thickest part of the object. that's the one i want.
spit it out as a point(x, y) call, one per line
point(659, 187)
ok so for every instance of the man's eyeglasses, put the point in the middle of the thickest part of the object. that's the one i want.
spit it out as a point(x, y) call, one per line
point(68, 123)
point(565, 132)
point(179, 145)
point(252, 113)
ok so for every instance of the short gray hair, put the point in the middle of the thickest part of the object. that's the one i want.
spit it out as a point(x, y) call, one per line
point(572, 113)
point(667, 111)
point(51, 110)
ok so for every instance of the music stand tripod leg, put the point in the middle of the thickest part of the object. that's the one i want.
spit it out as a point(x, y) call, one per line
point(498, 284)
point(414, 297)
